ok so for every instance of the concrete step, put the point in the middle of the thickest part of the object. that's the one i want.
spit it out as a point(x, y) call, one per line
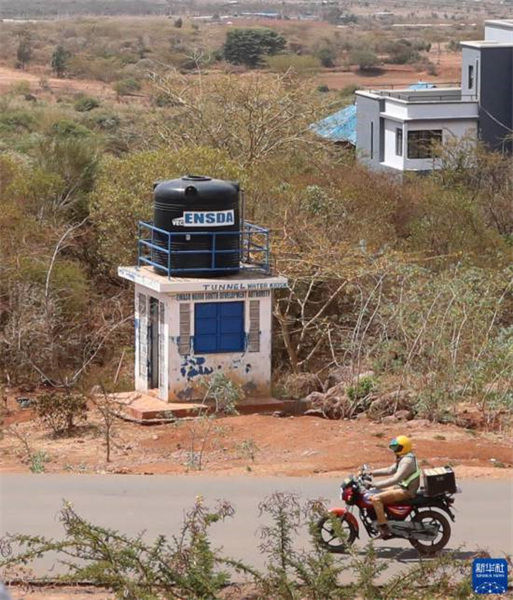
point(146, 408)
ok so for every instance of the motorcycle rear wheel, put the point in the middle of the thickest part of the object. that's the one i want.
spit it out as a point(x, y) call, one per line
point(328, 537)
point(432, 517)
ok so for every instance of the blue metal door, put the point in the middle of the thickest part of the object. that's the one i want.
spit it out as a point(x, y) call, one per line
point(218, 327)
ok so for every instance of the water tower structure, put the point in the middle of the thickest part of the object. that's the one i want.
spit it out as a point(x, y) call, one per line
point(203, 292)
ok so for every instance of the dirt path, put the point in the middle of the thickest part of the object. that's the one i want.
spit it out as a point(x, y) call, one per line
point(9, 77)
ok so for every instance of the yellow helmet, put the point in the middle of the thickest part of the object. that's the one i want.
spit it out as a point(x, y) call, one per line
point(401, 445)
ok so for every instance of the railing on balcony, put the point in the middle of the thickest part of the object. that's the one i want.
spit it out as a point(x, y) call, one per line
point(425, 96)
point(252, 250)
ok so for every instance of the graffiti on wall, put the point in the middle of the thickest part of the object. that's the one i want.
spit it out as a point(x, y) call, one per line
point(194, 366)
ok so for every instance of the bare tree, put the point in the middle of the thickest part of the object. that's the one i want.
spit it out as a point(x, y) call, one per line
point(107, 405)
point(251, 117)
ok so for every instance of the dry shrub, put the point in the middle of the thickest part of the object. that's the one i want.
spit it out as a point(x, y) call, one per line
point(62, 411)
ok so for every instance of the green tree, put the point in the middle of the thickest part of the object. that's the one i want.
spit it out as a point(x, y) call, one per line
point(247, 46)
point(126, 87)
point(326, 55)
point(25, 49)
point(365, 59)
point(60, 61)
point(401, 52)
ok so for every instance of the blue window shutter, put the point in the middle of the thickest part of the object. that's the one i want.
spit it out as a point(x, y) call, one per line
point(219, 327)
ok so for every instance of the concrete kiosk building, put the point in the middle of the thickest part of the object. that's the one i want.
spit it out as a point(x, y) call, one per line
point(203, 294)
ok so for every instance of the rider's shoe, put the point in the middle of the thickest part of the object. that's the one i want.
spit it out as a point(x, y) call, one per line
point(385, 532)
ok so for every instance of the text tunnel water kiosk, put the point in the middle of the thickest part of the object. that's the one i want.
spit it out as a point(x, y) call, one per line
point(203, 292)
point(204, 217)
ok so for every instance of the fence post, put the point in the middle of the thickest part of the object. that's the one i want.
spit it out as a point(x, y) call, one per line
point(169, 255)
point(267, 252)
point(139, 245)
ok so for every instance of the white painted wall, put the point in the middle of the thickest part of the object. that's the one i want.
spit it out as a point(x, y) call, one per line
point(396, 108)
point(403, 110)
point(252, 370)
point(451, 129)
point(140, 323)
point(443, 110)
point(180, 375)
point(390, 158)
point(496, 33)
point(141, 342)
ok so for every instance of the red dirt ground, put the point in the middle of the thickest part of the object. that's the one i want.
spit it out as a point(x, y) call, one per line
point(68, 593)
point(10, 77)
point(448, 64)
point(262, 445)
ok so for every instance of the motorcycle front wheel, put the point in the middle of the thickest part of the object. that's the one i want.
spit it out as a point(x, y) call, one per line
point(336, 533)
point(432, 518)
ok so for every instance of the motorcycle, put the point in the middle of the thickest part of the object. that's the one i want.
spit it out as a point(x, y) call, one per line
point(422, 520)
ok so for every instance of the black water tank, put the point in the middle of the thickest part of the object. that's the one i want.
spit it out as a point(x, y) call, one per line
point(196, 208)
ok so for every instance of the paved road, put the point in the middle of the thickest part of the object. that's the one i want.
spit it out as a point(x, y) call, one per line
point(30, 503)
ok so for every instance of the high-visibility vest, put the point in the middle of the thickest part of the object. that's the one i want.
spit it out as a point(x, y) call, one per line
point(406, 482)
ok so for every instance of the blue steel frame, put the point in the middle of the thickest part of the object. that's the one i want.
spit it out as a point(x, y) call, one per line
point(254, 252)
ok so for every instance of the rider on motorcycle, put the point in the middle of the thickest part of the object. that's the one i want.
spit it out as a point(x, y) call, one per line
point(402, 484)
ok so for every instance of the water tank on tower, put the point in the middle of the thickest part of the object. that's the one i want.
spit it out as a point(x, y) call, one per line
point(203, 216)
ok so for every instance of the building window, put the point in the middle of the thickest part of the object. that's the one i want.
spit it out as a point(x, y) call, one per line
point(421, 143)
point(471, 77)
point(219, 327)
point(399, 141)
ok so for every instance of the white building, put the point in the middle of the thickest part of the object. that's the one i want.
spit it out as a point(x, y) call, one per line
point(397, 129)
point(187, 328)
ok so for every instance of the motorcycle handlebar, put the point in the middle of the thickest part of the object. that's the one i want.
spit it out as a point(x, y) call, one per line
point(364, 471)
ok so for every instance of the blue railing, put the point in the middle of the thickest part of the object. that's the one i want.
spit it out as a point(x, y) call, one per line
point(252, 251)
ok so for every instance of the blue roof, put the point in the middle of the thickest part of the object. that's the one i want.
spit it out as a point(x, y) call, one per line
point(339, 127)
point(422, 85)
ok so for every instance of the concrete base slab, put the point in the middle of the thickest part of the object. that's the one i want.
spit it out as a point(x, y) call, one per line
point(147, 408)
